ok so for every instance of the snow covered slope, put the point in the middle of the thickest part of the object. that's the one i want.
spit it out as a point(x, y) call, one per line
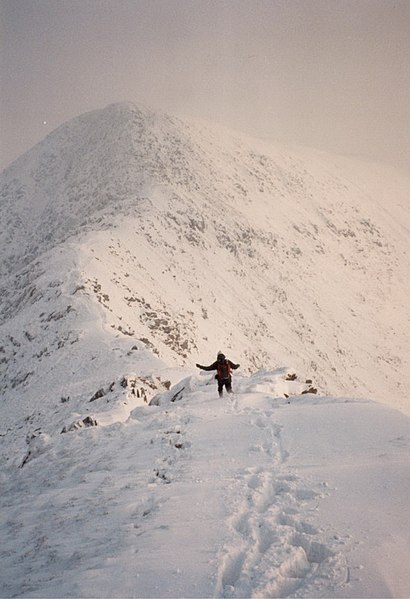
point(251, 496)
point(185, 239)
point(134, 245)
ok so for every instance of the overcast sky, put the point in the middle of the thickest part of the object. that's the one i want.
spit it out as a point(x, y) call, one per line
point(333, 74)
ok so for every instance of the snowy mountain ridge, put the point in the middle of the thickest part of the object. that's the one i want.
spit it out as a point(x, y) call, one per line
point(136, 245)
point(190, 239)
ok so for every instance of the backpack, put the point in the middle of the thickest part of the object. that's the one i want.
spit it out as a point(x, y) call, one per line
point(224, 370)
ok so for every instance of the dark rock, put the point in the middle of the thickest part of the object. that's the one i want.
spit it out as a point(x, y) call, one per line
point(88, 421)
point(97, 395)
point(310, 390)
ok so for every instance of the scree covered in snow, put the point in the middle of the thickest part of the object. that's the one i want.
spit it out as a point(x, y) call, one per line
point(134, 245)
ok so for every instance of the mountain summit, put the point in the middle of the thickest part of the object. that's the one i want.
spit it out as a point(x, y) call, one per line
point(127, 228)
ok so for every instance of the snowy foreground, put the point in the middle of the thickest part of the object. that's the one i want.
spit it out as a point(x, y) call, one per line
point(254, 495)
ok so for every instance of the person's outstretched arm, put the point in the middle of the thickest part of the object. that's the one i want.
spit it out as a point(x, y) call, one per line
point(213, 366)
point(232, 365)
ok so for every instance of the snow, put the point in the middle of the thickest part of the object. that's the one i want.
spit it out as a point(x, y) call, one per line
point(135, 245)
point(253, 495)
point(181, 231)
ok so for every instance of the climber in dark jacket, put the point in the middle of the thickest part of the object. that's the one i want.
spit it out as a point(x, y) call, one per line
point(224, 368)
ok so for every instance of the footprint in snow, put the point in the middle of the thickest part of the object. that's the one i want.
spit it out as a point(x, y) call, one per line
point(273, 551)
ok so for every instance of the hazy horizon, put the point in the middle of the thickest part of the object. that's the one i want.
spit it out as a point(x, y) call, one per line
point(324, 73)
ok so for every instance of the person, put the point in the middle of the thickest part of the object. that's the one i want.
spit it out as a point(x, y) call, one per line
point(224, 367)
